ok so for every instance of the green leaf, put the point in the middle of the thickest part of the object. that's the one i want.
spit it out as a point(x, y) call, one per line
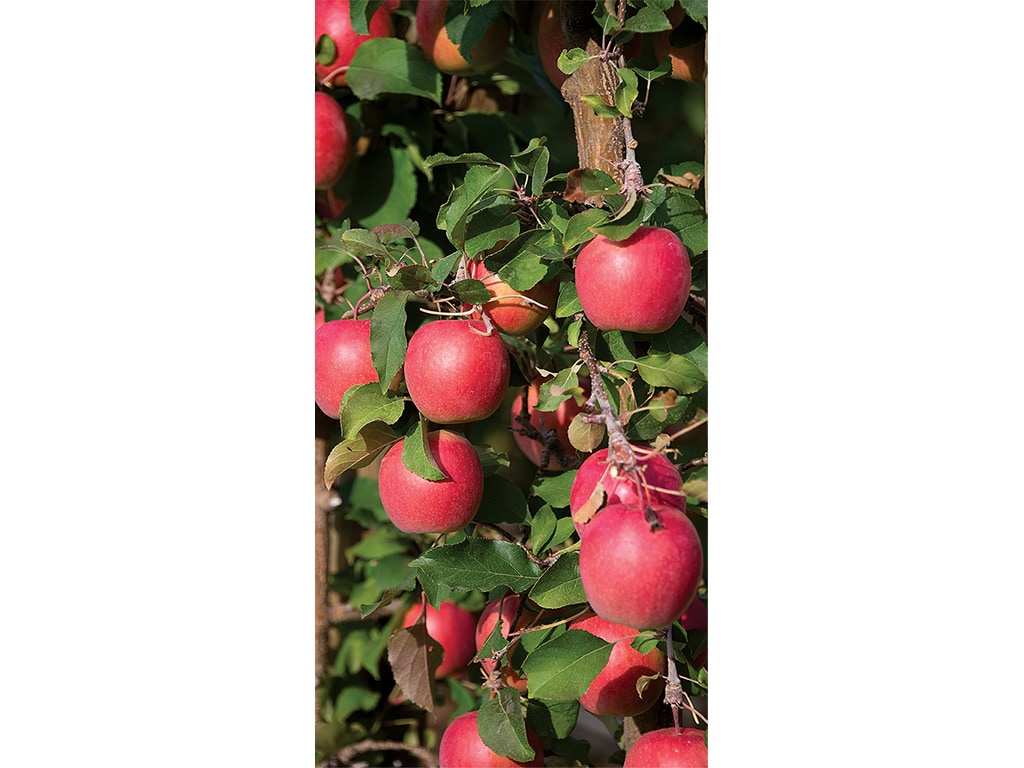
point(491, 227)
point(695, 484)
point(624, 223)
point(354, 699)
point(682, 339)
point(443, 267)
point(416, 456)
point(479, 184)
point(646, 642)
point(387, 336)
point(596, 182)
point(560, 585)
point(571, 60)
point(471, 291)
point(482, 564)
point(357, 451)
point(677, 209)
point(542, 528)
point(502, 502)
point(568, 300)
point(414, 657)
point(380, 187)
point(375, 544)
point(490, 460)
point(671, 370)
point(555, 489)
point(360, 12)
point(533, 161)
point(562, 669)
point(466, 27)
point(585, 436)
point(563, 385)
point(696, 10)
point(413, 277)
point(601, 109)
point(502, 727)
point(530, 258)
point(663, 68)
point(325, 50)
point(362, 242)
point(466, 158)
point(364, 404)
point(647, 20)
point(626, 92)
point(552, 719)
point(389, 65)
point(579, 229)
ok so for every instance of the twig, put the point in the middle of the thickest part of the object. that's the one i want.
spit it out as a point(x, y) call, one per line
point(346, 755)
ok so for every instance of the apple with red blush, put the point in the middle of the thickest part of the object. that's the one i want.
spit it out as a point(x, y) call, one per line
point(639, 284)
point(516, 313)
point(638, 570)
point(668, 748)
point(462, 747)
point(333, 145)
point(432, 32)
point(332, 18)
point(417, 505)
point(557, 420)
point(341, 360)
point(506, 609)
point(452, 626)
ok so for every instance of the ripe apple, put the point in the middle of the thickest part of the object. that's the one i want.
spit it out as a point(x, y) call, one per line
point(613, 691)
point(333, 148)
point(417, 505)
point(636, 576)
point(444, 54)
point(558, 420)
point(688, 61)
point(452, 626)
point(661, 476)
point(696, 617)
point(639, 284)
point(509, 313)
point(506, 608)
point(669, 748)
point(331, 18)
point(320, 319)
point(341, 360)
point(462, 747)
point(551, 42)
point(454, 372)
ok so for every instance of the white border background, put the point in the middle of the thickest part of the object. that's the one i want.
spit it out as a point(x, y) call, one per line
point(864, 175)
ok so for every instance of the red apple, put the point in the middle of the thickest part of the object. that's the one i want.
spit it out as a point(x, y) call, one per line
point(696, 617)
point(613, 691)
point(454, 372)
point(506, 608)
point(669, 748)
point(636, 576)
point(320, 319)
point(639, 284)
point(551, 42)
point(417, 505)
point(341, 360)
point(462, 747)
point(444, 54)
point(662, 479)
point(507, 311)
point(333, 148)
point(558, 420)
point(452, 626)
point(331, 18)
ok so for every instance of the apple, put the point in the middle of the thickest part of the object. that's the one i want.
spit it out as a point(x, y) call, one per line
point(613, 692)
point(417, 505)
point(452, 626)
point(506, 608)
point(661, 476)
point(558, 420)
point(688, 61)
point(444, 54)
point(696, 617)
point(551, 42)
point(509, 313)
point(668, 748)
point(341, 360)
point(636, 576)
point(333, 148)
point(454, 372)
point(462, 747)
point(331, 18)
point(320, 320)
point(639, 284)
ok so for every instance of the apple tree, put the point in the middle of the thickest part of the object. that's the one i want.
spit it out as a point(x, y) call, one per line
point(511, 380)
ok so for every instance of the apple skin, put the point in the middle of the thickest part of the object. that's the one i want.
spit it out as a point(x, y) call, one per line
point(551, 42)
point(333, 147)
point(689, 62)
point(696, 617)
point(452, 626)
point(638, 577)
point(559, 420)
point(444, 54)
point(613, 691)
point(669, 748)
point(331, 18)
point(462, 747)
point(509, 314)
point(507, 609)
point(454, 373)
point(341, 360)
point(659, 473)
point(639, 284)
point(417, 505)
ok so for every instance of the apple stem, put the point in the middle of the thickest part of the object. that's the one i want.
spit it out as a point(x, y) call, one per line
point(329, 77)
